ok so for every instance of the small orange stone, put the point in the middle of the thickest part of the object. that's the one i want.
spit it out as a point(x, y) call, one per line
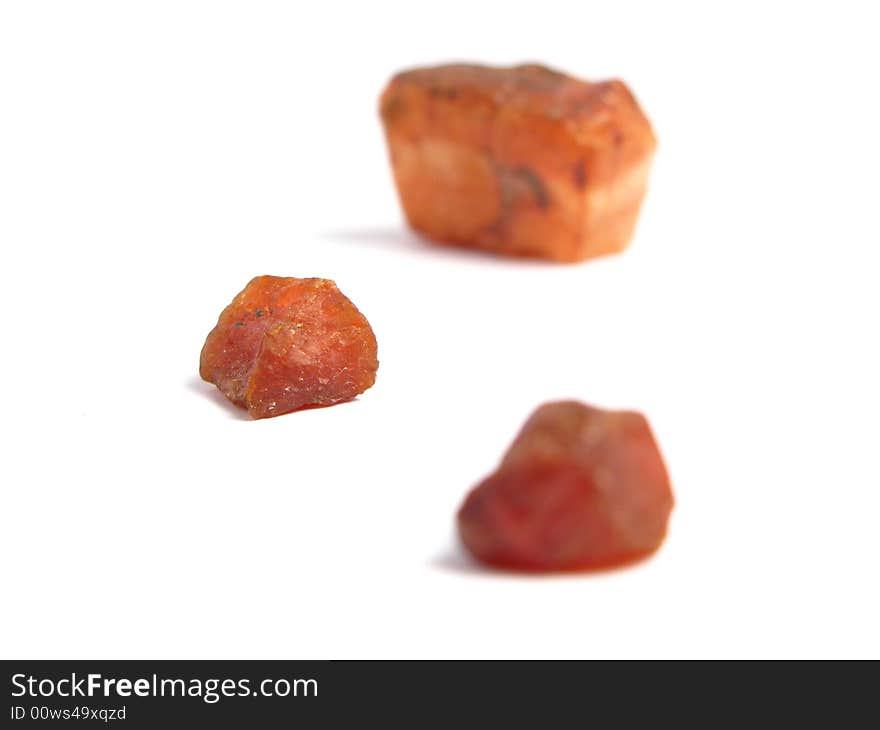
point(580, 488)
point(286, 343)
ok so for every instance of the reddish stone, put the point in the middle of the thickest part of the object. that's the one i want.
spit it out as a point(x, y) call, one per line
point(286, 343)
point(580, 488)
point(521, 161)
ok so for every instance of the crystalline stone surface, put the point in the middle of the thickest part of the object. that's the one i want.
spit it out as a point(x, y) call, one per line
point(521, 161)
point(286, 343)
point(580, 488)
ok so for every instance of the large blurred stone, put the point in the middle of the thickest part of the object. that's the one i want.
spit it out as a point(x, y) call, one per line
point(580, 488)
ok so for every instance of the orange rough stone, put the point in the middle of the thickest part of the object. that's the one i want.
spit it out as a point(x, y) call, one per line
point(287, 343)
point(523, 161)
point(580, 488)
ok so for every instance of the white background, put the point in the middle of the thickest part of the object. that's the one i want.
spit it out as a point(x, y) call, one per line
point(154, 156)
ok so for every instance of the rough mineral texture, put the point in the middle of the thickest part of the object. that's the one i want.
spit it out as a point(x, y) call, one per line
point(523, 161)
point(580, 488)
point(288, 343)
